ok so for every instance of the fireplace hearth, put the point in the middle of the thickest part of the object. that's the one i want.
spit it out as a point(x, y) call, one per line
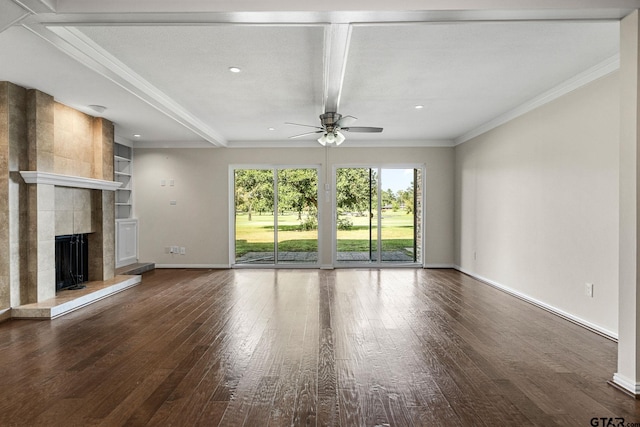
point(72, 261)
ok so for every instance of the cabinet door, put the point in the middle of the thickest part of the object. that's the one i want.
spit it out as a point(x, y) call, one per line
point(126, 242)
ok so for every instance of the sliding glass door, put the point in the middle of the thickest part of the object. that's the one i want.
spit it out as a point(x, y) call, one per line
point(276, 216)
point(378, 215)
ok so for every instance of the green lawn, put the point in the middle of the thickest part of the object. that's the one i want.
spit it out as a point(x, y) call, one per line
point(257, 235)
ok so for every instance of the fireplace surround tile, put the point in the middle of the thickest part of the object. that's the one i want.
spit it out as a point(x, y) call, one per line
point(64, 199)
point(34, 137)
point(81, 199)
point(64, 222)
point(82, 222)
point(46, 225)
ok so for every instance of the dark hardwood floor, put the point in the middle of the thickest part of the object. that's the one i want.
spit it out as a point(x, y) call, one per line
point(352, 347)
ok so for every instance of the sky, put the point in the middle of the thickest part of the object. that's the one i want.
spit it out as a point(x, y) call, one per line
point(396, 179)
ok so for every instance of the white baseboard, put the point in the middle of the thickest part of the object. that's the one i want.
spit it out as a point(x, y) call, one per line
point(438, 266)
point(213, 266)
point(558, 312)
point(5, 314)
point(627, 384)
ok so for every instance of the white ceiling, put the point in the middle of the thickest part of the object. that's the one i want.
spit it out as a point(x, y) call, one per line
point(161, 67)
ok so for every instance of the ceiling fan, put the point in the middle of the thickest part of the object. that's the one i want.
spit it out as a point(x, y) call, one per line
point(332, 126)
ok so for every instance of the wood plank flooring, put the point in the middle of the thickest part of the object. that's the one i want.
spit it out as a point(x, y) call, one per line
point(353, 347)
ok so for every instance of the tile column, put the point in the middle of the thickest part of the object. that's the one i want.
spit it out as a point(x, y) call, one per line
point(5, 262)
point(41, 199)
point(102, 252)
point(18, 193)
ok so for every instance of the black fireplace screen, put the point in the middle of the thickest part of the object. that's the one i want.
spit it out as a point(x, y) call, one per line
point(72, 266)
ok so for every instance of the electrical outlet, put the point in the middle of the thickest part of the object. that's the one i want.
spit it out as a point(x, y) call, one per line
point(183, 251)
point(588, 289)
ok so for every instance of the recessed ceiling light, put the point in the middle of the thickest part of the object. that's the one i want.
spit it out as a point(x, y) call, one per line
point(234, 69)
point(137, 135)
point(98, 108)
point(272, 129)
point(419, 107)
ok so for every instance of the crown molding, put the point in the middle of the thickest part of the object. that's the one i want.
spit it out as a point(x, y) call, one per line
point(80, 47)
point(600, 70)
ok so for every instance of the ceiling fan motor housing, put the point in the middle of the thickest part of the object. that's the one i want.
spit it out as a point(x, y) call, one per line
point(329, 119)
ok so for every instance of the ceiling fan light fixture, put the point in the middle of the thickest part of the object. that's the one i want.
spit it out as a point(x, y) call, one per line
point(323, 140)
point(339, 137)
point(330, 137)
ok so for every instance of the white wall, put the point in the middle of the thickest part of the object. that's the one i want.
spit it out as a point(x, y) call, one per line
point(200, 219)
point(537, 204)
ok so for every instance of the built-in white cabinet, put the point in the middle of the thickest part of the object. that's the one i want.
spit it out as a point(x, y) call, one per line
point(126, 242)
point(126, 225)
point(122, 169)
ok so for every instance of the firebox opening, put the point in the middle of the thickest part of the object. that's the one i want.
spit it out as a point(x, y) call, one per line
point(72, 261)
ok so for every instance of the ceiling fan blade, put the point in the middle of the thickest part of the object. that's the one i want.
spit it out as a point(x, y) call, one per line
point(305, 134)
point(345, 121)
point(362, 129)
point(298, 124)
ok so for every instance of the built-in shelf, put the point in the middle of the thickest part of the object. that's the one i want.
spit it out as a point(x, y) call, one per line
point(122, 170)
point(126, 225)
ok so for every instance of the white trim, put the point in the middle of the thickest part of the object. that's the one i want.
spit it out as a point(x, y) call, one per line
point(36, 177)
point(337, 38)
point(5, 314)
point(300, 266)
point(349, 142)
point(231, 193)
point(215, 266)
point(326, 267)
point(78, 46)
point(600, 70)
point(624, 382)
point(18, 16)
point(173, 144)
point(439, 266)
point(37, 6)
point(554, 310)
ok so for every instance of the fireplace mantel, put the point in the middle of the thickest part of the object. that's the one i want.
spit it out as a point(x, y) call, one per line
point(35, 177)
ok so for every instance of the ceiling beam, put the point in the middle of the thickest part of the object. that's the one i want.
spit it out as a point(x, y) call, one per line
point(168, 6)
point(336, 50)
point(11, 13)
point(37, 6)
point(81, 48)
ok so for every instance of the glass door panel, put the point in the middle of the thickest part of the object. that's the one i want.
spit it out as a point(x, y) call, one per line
point(397, 215)
point(254, 216)
point(377, 215)
point(356, 221)
point(297, 216)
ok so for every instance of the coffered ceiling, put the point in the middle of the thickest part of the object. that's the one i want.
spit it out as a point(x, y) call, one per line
point(162, 68)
